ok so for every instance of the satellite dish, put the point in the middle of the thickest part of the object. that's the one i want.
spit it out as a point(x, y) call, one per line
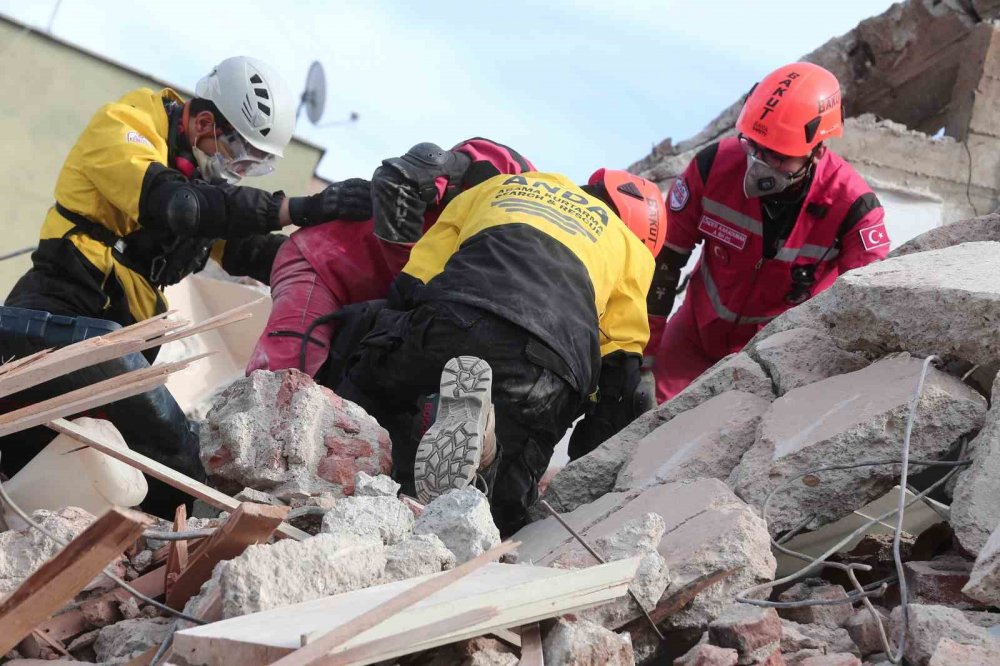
point(314, 95)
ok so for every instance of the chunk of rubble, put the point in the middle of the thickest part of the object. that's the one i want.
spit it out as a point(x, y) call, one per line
point(290, 572)
point(130, 638)
point(802, 356)
point(985, 228)
point(975, 507)
point(366, 485)
point(636, 538)
point(835, 659)
point(583, 643)
point(863, 629)
point(462, 520)
point(707, 530)
point(587, 478)
point(984, 581)
point(845, 420)
point(754, 632)
point(798, 636)
point(257, 497)
point(816, 589)
point(705, 654)
point(928, 625)
point(705, 442)
point(282, 432)
point(952, 653)
point(491, 658)
point(23, 551)
point(939, 582)
point(384, 518)
point(419, 555)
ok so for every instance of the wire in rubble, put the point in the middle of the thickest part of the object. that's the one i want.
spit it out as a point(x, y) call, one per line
point(862, 593)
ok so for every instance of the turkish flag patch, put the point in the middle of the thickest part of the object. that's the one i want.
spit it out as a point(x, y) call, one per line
point(873, 237)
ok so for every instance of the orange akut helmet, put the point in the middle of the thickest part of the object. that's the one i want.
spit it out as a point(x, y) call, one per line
point(639, 203)
point(793, 109)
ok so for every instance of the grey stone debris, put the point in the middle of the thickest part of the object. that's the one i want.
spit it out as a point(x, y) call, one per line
point(816, 589)
point(803, 636)
point(639, 537)
point(975, 507)
point(129, 638)
point(366, 485)
point(985, 228)
point(705, 442)
point(864, 630)
point(419, 555)
point(952, 653)
point(984, 583)
point(384, 518)
point(583, 643)
point(23, 551)
point(290, 572)
point(801, 356)
point(584, 480)
point(929, 624)
point(462, 520)
point(754, 632)
point(845, 420)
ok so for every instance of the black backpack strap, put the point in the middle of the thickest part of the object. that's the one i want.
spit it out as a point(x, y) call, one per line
point(98, 232)
point(863, 205)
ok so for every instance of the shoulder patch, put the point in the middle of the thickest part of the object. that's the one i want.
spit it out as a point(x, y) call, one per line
point(679, 195)
point(135, 137)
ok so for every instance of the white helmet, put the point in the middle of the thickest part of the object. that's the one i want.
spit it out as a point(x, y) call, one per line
point(254, 99)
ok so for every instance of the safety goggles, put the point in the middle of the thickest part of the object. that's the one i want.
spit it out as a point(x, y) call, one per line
point(243, 159)
point(771, 158)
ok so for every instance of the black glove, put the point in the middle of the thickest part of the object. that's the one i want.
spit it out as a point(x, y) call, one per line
point(398, 206)
point(663, 290)
point(619, 403)
point(349, 199)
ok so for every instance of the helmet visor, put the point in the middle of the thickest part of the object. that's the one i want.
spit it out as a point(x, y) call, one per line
point(242, 159)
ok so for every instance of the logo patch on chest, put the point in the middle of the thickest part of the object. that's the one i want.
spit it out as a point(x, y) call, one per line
point(734, 238)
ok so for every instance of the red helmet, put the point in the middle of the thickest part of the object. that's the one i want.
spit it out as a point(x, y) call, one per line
point(793, 109)
point(639, 204)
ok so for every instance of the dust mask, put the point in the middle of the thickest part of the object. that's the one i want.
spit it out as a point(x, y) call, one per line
point(762, 179)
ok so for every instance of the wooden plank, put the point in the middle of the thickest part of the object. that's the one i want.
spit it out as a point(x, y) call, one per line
point(315, 651)
point(160, 471)
point(177, 553)
point(522, 593)
point(250, 524)
point(231, 316)
point(61, 578)
point(531, 646)
point(509, 637)
point(87, 397)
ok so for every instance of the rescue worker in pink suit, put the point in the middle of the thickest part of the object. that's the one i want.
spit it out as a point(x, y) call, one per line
point(326, 268)
point(779, 215)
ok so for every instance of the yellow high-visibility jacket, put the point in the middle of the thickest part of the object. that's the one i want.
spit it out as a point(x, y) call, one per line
point(540, 252)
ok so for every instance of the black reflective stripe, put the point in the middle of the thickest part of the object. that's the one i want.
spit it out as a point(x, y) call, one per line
point(704, 159)
point(863, 205)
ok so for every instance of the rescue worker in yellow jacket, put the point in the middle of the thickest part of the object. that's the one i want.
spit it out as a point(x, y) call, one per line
point(527, 300)
point(142, 200)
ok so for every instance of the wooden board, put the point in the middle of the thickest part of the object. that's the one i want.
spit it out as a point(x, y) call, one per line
point(531, 646)
point(160, 471)
point(61, 578)
point(523, 594)
point(177, 551)
point(250, 524)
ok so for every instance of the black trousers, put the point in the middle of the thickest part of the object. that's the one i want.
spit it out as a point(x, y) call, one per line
point(534, 395)
point(152, 423)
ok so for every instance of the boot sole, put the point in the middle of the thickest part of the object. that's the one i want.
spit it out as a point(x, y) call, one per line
point(450, 451)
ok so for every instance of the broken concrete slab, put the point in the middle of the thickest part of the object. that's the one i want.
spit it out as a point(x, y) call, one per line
point(636, 538)
point(587, 478)
point(129, 638)
point(281, 432)
point(816, 589)
point(419, 555)
point(290, 572)
point(975, 507)
point(462, 520)
point(952, 653)
point(845, 420)
point(929, 624)
point(801, 356)
point(863, 630)
point(541, 537)
point(584, 643)
point(705, 654)
point(984, 581)
point(384, 518)
point(23, 551)
point(754, 632)
point(705, 442)
point(985, 228)
point(708, 530)
point(381, 485)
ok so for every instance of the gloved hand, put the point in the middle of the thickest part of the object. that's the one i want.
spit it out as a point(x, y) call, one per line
point(349, 199)
point(663, 290)
point(620, 402)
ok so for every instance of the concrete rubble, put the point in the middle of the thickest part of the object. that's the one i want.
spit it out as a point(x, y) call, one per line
point(585, 643)
point(928, 625)
point(462, 520)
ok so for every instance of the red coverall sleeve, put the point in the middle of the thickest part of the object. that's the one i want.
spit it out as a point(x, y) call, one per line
point(865, 242)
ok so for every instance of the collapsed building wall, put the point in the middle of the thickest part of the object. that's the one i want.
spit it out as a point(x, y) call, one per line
point(920, 84)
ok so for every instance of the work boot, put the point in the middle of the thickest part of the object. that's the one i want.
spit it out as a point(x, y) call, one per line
point(461, 440)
